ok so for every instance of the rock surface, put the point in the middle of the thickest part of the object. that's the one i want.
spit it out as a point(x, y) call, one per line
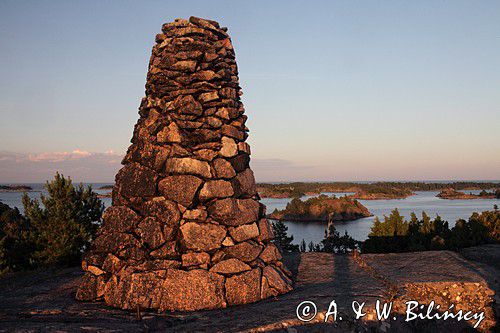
point(42, 301)
point(186, 230)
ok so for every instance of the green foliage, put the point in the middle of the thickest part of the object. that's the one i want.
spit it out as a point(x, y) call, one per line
point(426, 234)
point(63, 226)
point(14, 243)
point(322, 208)
point(281, 238)
point(479, 229)
point(335, 243)
point(393, 225)
point(387, 190)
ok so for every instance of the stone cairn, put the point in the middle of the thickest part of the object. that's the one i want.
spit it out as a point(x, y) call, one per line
point(186, 230)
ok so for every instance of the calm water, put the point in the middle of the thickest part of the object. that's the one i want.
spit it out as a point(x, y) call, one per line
point(14, 199)
point(449, 210)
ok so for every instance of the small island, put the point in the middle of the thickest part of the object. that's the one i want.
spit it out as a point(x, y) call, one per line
point(279, 192)
point(383, 193)
point(452, 194)
point(106, 187)
point(322, 208)
point(365, 191)
point(15, 188)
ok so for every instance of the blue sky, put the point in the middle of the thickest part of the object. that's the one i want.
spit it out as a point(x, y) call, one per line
point(334, 90)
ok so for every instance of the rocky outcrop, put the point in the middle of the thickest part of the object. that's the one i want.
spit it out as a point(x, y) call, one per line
point(452, 194)
point(186, 230)
point(322, 208)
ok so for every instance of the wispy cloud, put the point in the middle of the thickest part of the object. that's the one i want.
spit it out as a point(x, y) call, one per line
point(59, 156)
point(88, 166)
point(81, 165)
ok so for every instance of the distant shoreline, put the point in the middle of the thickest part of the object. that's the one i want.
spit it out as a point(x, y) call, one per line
point(364, 190)
point(15, 188)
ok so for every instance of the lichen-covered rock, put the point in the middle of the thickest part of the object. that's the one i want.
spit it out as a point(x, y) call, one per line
point(195, 259)
point(277, 282)
point(270, 253)
point(230, 266)
point(139, 294)
point(165, 211)
point(202, 236)
point(234, 212)
point(223, 169)
point(229, 147)
point(244, 183)
point(243, 288)
point(180, 188)
point(192, 290)
point(195, 215)
point(151, 233)
point(188, 166)
point(246, 251)
point(135, 180)
point(88, 288)
point(216, 189)
point(266, 232)
point(186, 230)
point(244, 232)
point(120, 219)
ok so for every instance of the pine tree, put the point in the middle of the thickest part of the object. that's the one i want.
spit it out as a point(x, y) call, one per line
point(377, 228)
point(395, 224)
point(426, 227)
point(63, 227)
point(281, 238)
point(335, 243)
point(303, 246)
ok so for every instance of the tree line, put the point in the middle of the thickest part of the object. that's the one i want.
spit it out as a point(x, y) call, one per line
point(396, 234)
point(297, 189)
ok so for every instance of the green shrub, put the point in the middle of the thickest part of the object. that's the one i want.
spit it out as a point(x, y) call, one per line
point(15, 247)
point(397, 235)
point(63, 226)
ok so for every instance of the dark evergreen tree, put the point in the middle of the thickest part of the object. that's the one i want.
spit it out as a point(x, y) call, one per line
point(335, 243)
point(63, 226)
point(15, 247)
point(281, 238)
point(303, 246)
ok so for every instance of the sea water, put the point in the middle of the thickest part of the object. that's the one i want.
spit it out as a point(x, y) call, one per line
point(449, 210)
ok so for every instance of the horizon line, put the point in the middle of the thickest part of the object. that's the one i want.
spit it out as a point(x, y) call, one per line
point(305, 181)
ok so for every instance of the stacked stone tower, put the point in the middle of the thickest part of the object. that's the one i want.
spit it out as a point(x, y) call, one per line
point(186, 230)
